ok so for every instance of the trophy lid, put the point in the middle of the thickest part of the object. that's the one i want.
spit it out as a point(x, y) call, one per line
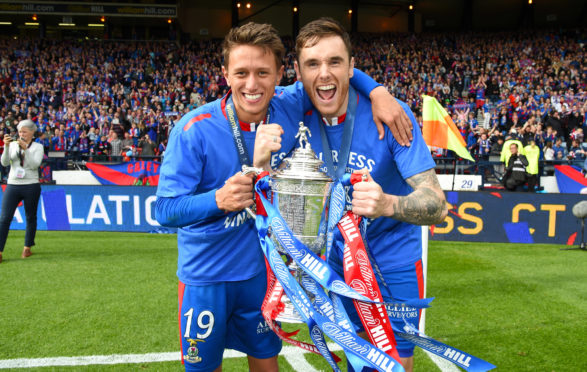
point(303, 164)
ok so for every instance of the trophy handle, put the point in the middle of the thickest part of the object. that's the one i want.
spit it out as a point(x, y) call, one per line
point(248, 170)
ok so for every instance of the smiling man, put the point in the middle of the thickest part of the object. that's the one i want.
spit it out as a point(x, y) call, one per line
point(221, 269)
point(402, 190)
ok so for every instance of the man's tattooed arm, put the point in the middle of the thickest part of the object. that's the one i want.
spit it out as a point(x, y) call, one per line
point(426, 205)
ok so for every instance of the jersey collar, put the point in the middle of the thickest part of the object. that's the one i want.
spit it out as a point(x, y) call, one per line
point(334, 121)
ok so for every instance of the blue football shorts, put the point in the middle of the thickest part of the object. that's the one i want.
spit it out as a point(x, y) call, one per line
point(404, 283)
point(224, 315)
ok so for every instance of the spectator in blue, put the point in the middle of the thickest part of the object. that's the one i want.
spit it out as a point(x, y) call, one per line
point(560, 150)
point(152, 130)
point(83, 145)
point(58, 141)
point(577, 154)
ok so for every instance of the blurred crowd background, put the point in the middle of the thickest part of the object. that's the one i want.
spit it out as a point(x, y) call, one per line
point(113, 101)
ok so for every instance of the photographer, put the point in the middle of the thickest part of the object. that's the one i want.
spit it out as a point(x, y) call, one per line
point(24, 157)
point(515, 174)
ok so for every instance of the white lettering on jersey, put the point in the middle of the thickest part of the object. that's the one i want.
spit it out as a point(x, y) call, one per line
point(356, 161)
point(236, 220)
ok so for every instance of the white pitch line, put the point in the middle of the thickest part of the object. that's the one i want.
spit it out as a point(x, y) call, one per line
point(293, 355)
point(92, 359)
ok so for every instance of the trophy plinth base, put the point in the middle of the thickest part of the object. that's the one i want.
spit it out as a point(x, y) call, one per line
point(289, 313)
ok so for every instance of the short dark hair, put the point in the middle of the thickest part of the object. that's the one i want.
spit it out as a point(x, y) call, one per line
point(312, 32)
point(257, 34)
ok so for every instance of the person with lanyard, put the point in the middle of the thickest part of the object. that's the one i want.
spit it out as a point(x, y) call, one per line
point(24, 157)
point(401, 191)
point(201, 190)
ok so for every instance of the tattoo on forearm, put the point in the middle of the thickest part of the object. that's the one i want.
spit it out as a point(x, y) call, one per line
point(425, 205)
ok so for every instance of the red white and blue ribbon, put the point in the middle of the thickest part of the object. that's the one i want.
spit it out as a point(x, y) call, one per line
point(320, 314)
point(325, 313)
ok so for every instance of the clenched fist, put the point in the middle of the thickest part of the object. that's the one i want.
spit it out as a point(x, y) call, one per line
point(369, 200)
point(236, 194)
point(267, 140)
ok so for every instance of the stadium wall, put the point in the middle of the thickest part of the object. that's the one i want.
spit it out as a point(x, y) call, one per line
point(206, 19)
point(474, 216)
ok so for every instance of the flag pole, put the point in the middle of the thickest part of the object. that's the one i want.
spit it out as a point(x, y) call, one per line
point(425, 232)
point(454, 173)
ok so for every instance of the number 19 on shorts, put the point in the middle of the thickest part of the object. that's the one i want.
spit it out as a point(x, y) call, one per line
point(204, 320)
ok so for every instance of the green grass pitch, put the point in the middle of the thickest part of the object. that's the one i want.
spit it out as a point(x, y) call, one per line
point(520, 307)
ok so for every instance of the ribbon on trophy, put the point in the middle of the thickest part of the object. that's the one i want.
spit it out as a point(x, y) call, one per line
point(272, 305)
point(320, 319)
point(462, 359)
point(271, 308)
point(358, 270)
point(307, 260)
point(326, 315)
point(360, 275)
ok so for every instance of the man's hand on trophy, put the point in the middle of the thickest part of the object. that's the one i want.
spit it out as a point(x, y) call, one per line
point(387, 110)
point(267, 140)
point(369, 200)
point(236, 194)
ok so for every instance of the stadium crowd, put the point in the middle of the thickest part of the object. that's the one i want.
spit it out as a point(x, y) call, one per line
point(107, 100)
point(524, 86)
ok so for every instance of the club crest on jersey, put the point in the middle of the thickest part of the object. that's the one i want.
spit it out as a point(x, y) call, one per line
point(192, 352)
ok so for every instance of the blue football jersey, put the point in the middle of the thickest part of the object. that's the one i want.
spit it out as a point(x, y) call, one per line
point(200, 157)
point(392, 242)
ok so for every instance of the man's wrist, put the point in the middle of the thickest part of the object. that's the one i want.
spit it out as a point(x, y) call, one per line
point(217, 200)
point(389, 202)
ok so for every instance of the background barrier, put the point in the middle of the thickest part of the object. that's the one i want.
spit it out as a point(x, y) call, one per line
point(474, 216)
point(514, 217)
point(94, 208)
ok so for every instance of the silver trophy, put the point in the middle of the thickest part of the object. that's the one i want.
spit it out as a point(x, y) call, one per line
point(302, 190)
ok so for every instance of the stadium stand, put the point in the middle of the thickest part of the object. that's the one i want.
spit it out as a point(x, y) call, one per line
point(526, 86)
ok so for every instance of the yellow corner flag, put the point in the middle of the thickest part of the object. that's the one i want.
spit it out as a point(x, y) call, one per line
point(440, 131)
